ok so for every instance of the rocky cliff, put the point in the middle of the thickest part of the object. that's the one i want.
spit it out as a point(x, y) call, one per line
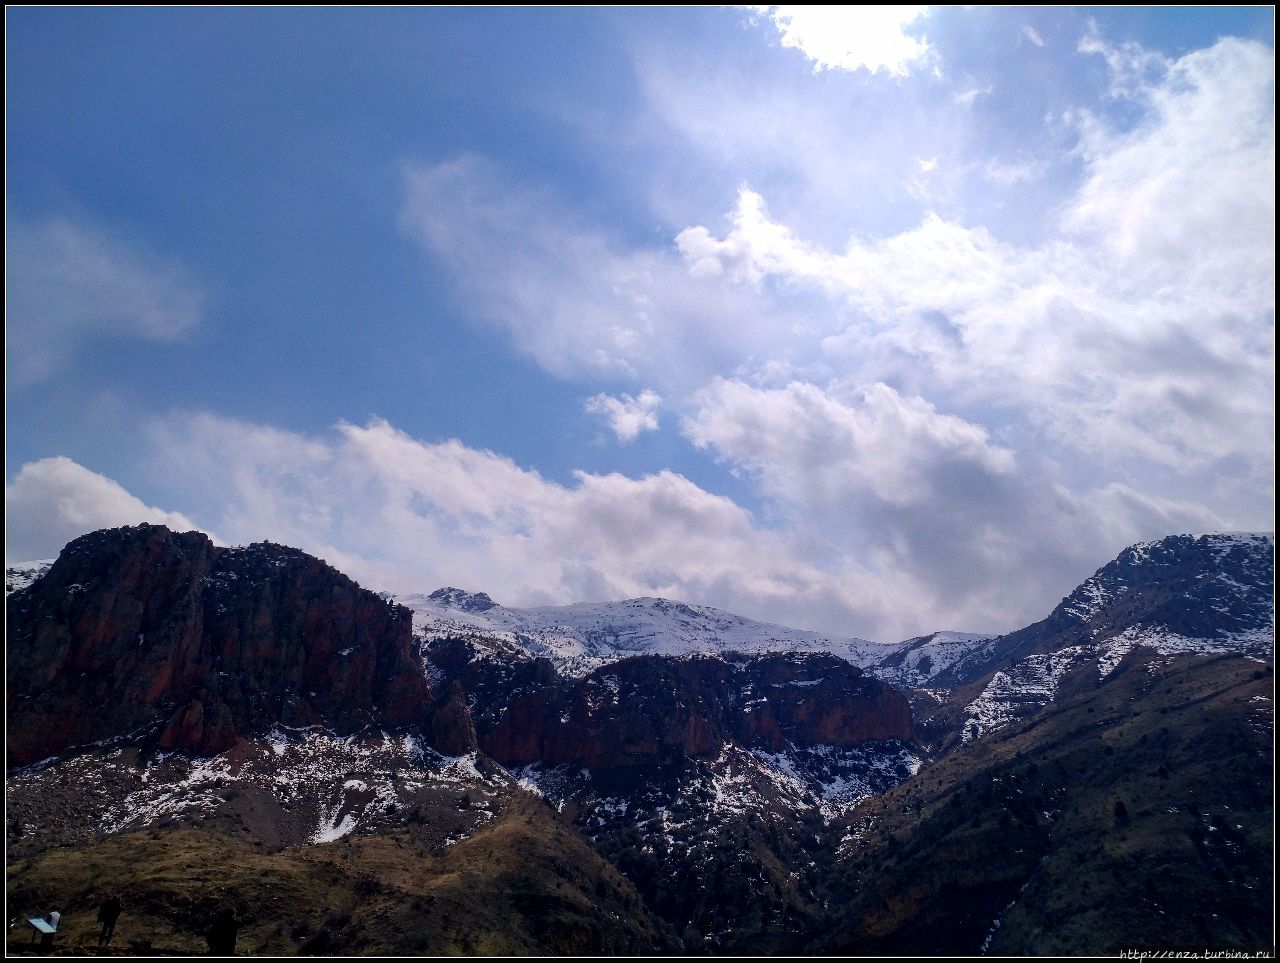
point(146, 629)
point(651, 710)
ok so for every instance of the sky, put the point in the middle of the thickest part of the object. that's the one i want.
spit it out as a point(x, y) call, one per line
point(875, 321)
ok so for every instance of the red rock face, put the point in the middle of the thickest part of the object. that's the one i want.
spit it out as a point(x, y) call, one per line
point(819, 700)
point(142, 627)
point(450, 728)
point(653, 710)
point(637, 712)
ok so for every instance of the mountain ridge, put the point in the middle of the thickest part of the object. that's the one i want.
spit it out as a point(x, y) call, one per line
point(717, 801)
point(583, 636)
point(580, 637)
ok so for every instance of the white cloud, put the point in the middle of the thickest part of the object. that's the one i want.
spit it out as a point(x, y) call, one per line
point(68, 281)
point(966, 98)
point(927, 165)
point(627, 416)
point(1132, 66)
point(1189, 191)
point(533, 271)
point(53, 500)
point(886, 446)
point(1135, 348)
point(573, 299)
point(900, 518)
point(853, 37)
point(1033, 35)
point(830, 152)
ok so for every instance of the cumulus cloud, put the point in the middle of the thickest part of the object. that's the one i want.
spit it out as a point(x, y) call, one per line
point(757, 246)
point(881, 445)
point(1033, 35)
point(68, 281)
point(627, 416)
point(1128, 360)
point(853, 38)
point(944, 524)
point(1189, 191)
point(53, 500)
point(893, 518)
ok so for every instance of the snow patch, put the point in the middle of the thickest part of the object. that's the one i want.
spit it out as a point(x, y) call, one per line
point(329, 830)
point(22, 575)
point(1030, 683)
point(916, 661)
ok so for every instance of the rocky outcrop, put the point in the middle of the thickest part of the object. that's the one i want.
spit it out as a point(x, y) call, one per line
point(146, 629)
point(654, 710)
point(819, 700)
point(456, 598)
point(449, 726)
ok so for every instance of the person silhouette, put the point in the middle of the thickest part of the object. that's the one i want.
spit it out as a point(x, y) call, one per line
point(108, 913)
point(222, 933)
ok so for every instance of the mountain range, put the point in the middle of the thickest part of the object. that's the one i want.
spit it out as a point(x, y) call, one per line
point(193, 727)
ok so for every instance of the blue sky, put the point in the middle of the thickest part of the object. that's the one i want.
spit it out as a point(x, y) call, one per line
point(881, 323)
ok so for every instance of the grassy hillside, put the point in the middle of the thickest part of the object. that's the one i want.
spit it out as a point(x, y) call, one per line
point(524, 884)
point(1135, 812)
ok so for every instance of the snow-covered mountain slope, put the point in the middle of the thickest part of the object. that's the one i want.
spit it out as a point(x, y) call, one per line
point(326, 844)
point(1023, 688)
point(289, 786)
point(804, 781)
point(1182, 595)
point(1020, 690)
point(1219, 596)
point(1163, 770)
point(1205, 594)
point(580, 638)
point(915, 662)
point(19, 575)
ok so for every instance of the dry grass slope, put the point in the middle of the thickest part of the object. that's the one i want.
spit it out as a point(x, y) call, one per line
point(523, 885)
